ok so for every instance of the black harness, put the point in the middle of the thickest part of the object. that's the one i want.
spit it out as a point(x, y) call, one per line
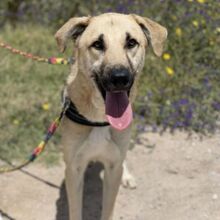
point(73, 114)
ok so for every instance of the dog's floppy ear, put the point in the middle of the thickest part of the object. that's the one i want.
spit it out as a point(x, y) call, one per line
point(154, 32)
point(73, 28)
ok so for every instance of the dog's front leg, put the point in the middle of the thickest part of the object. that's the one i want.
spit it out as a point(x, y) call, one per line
point(112, 179)
point(74, 186)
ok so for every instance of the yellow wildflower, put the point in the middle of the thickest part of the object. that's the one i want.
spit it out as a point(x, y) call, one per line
point(178, 32)
point(217, 30)
point(16, 122)
point(166, 56)
point(174, 17)
point(201, 1)
point(195, 23)
point(46, 106)
point(169, 70)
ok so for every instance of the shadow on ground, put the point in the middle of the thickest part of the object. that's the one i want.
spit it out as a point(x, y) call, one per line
point(92, 196)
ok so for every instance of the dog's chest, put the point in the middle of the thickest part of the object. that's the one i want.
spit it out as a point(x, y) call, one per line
point(99, 146)
point(99, 136)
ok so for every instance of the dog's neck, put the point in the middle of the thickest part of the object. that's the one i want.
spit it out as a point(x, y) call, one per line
point(84, 94)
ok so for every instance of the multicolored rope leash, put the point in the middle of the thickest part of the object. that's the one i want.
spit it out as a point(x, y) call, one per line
point(55, 124)
point(51, 60)
point(39, 149)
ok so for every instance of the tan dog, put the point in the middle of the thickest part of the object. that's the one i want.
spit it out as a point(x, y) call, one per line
point(110, 53)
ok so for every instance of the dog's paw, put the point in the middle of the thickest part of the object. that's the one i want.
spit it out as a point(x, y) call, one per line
point(128, 181)
point(101, 175)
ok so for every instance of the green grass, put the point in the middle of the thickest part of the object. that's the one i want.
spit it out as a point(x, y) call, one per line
point(25, 86)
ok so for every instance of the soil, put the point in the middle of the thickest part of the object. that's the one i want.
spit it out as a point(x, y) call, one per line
point(178, 178)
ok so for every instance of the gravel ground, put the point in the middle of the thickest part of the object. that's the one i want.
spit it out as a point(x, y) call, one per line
point(178, 178)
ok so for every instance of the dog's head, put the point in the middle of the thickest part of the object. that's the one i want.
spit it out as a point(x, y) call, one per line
point(110, 49)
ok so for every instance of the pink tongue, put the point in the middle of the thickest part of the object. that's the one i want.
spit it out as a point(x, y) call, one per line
point(118, 110)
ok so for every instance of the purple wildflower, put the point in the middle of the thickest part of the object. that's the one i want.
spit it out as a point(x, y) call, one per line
point(216, 106)
point(183, 102)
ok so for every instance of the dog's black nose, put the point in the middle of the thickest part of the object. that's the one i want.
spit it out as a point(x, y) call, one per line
point(120, 78)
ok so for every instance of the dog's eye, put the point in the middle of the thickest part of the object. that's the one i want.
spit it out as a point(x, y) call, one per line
point(98, 45)
point(131, 43)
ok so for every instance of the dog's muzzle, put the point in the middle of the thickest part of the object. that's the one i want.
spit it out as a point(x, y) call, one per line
point(114, 85)
point(117, 79)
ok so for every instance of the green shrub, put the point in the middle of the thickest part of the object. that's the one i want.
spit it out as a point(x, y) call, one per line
point(181, 90)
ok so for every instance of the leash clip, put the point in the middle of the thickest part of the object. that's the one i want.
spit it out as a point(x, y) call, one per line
point(66, 104)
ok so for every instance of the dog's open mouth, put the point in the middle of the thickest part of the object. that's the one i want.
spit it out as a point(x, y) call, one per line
point(118, 110)
point(117, 107)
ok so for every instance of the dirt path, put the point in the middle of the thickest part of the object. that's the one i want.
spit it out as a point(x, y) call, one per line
point(178, 179)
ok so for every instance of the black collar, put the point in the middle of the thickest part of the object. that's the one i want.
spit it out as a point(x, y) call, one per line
point(73, 114)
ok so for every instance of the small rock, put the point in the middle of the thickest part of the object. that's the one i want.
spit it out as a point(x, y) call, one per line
point(172, 171)
point(214, 196)
point(205, 215)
